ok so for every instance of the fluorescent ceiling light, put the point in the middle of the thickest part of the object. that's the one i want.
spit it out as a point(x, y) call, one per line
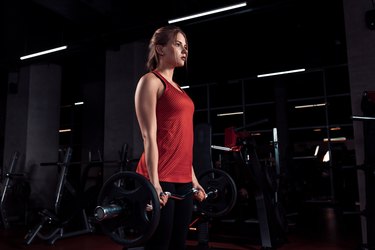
point(281, 73)
point(233, 113)
point(185, 87)
point(65, 130)
point(335, 139)
point(207, 13)
point(43, 52)
point(363, 117)
point(221, 148)
point(78, 103)
point(308, 156)
point(310, 105)
point(335, 128)
point(326, 157)
point(316, 151)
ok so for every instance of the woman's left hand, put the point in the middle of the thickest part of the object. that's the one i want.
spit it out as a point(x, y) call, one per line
point(201, 194)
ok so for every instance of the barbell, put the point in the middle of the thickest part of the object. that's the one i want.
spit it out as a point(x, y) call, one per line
point(128, 207)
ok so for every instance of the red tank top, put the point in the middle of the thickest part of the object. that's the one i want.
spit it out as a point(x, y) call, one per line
point(174, 114)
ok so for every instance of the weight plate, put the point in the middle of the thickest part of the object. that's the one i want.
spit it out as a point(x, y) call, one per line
point(134, 224)
point(215, 180)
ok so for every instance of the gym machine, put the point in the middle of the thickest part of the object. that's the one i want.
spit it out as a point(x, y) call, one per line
point(271, 215)
point(73, 203)
point(368, 121)
point(53, 224)
point(92, 176)
point(15, 189)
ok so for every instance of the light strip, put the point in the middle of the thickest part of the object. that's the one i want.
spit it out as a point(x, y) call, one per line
point(65, 130)
point(363, 117)
point(335, 128)
point(310, 105)
point(335, 139)
point(185, 87)
point(326, 157)
point(78, 103)
point(221, 148)
point(281, 73)
point(207, 13)
point(316, 151)
point(233, 113)
point(43, 52)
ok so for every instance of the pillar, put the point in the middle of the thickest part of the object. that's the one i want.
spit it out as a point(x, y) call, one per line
point(361, 61)
point(32, 127)
point(124, 67)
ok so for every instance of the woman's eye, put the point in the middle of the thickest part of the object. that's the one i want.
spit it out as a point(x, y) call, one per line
point(178, 44)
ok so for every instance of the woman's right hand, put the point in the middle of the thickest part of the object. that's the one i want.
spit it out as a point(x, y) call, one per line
point(163, 198)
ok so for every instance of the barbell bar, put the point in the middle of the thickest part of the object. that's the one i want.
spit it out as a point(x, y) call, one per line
point(113, 210)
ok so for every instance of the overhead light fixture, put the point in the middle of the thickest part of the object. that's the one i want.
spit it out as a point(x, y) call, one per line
point(335, 128)
point(43, 52)
point(221, 148)
point(206, 13)
point(310, 105)
point(78, 103)
point(185, 87)
point(281, 73)
point(233, 113)
point(316, 151)
point(326, 157)
point(65, 130)
point(356, 117)
point(335, 139)
point(308, 156)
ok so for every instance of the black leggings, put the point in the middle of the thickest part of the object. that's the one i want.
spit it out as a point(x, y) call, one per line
point(175, 217)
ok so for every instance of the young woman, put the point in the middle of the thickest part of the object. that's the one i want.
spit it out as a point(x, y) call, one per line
point(165, 116)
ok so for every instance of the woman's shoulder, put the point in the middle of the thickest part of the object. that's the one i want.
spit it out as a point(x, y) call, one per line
point(150, 80)
point(149, 76)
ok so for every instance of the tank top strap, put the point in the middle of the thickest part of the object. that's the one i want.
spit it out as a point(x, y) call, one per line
point(162, 79)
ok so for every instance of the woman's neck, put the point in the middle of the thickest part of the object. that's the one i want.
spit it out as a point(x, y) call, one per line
point(166, 73)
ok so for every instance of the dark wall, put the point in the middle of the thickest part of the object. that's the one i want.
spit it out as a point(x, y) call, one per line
point(3, 98)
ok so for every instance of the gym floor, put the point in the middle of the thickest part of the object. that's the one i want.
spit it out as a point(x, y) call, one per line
point(316, 226)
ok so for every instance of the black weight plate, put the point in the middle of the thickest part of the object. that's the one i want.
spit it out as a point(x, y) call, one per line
point(224, 201)
point(133, 192)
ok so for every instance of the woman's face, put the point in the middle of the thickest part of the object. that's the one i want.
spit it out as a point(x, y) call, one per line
point(176, 51)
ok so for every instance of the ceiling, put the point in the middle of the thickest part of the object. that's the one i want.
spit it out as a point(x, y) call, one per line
point(263, 36)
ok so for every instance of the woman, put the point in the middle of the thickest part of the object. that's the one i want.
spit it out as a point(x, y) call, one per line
point(165, 116)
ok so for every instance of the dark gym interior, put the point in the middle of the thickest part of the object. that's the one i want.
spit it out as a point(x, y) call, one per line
point(292, 153)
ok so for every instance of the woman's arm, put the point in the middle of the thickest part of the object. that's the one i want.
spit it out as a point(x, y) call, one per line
point(200, 196)
point(149, 89)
